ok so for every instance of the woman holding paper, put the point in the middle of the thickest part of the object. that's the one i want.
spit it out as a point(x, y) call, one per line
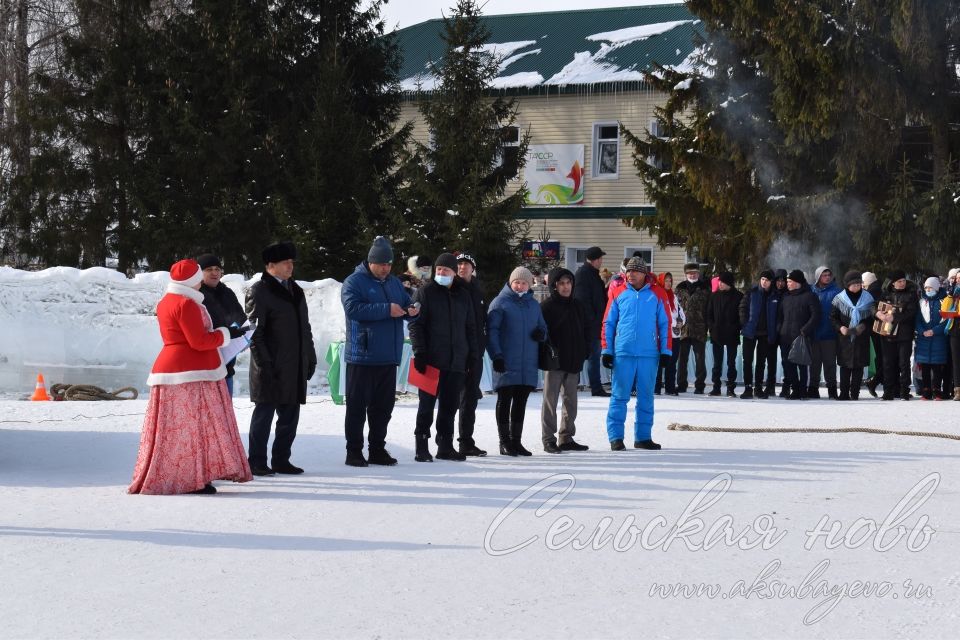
point(190, 436)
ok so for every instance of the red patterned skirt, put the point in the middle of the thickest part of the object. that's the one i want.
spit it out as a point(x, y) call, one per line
point(190, 437)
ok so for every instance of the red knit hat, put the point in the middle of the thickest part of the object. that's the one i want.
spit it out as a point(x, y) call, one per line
point(186, 272)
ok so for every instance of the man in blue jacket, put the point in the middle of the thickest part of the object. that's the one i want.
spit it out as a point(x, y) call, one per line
point(636, 335)
point(823, 347)
point(375, 304)
point(758, 317)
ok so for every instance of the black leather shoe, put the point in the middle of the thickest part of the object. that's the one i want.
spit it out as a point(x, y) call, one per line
point(207, 490)
point(287, 469)
point(521, 451)
point(646, 444)
point(473, 451)
point(872, 386)
point(617, 445)
point(355, 459)
point(551, 447)
point(449, 453)
point(573, 446)
point(381, 457)
point(602, 393)
point(506, 449)
point(261, 470)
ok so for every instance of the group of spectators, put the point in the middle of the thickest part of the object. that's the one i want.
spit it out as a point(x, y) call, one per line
point(636, 324)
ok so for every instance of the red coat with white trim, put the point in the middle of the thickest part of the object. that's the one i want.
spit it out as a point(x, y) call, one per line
point(190, 344)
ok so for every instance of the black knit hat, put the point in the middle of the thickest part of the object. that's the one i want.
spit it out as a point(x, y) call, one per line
point(466, 257)
point(781, 274)
point(446, 260)
point(380, 251)
point(797, 276)
point(279, 252)
point(727, 278)
point(208, 260)
point(852, 277)
point(896, 274)
point(768, 274)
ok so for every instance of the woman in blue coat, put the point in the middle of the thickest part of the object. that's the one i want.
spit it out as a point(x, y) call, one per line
point(515, 327)
point(931, 347)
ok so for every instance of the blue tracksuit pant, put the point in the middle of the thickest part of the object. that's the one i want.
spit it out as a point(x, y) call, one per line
point(630, 371)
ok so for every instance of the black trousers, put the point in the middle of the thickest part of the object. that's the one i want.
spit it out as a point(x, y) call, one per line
point(699, 348)
point(794, 375)
point(931, 379)
point(288, 415)
point(667, 375)
point(371, 393)
point(449, 389)
point(850, 381)
point(511, 407)
point(718, 364)
point(468, 403)
point(896, 367)
point(766, 358)
point(955, 354)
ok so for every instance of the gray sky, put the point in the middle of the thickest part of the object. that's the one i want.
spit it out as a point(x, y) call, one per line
point(404, 13)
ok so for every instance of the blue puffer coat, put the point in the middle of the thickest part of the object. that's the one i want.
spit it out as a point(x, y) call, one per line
point(373, 337)
point(826, 295)
point(932, 350)
point(637, 324)
point(510, 321)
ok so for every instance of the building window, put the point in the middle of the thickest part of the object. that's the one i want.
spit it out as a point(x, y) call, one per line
point(606, 150)
point(645, 252)
point(575, 256)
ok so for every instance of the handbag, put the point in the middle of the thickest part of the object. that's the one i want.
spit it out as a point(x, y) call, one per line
point(548, 358)
point(800, 352)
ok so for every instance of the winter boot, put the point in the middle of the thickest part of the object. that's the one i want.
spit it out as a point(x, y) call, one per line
point(748, 392)
point(617, 445)
point(844, 394)
point(731, 391)
point(423, 449)
point(646, 444)
point(506, 448)
point(813, 392)
point(906, 395)
point(798, 393)
point(784, 390)
point(832, 392)
point(715, 391)
point(381, 456)
point(926, 394)
point(872, 384)
point(518, 447)
point(447, 452)
point(355, 458)
point(956, 394)
point(472, 450)
point(516, 432)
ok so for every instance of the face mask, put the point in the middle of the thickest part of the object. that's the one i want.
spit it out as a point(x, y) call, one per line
point(931, 294)
point(425, 274)
point(692, 278)
point(444, 281)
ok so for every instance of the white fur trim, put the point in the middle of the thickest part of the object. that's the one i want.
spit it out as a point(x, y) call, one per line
point(211, 375)
point(226, 337)
point(192, 280)
point(187, 292)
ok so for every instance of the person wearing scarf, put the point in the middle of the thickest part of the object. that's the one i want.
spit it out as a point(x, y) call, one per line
point(851, 314)
point(931, 347)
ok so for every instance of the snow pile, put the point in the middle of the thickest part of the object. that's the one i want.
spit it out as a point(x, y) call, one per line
point(622, 37)
point(95, 326)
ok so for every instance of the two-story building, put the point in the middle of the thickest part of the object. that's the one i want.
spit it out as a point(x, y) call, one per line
point(576, 75)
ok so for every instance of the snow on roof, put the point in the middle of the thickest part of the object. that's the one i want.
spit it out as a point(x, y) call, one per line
point(524, 79)
point(505, 49)
point(622, 37)
point(588, 68)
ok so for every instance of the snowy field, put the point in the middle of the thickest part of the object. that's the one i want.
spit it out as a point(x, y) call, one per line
point(479, 549)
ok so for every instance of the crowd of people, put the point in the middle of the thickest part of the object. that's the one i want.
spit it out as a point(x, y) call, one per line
point(635, 323)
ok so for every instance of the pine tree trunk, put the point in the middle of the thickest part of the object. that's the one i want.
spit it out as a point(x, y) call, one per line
point(20, 133)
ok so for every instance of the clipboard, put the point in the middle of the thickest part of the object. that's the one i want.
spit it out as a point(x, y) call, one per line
point(427, 382)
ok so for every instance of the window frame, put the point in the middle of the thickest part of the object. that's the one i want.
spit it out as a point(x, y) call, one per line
point(628, 253)
point(599, 144)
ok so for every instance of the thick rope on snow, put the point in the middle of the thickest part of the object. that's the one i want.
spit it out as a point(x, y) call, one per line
point(676, 426)
point(89, 392)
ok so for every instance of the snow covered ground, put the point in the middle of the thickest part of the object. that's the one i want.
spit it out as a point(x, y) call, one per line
point(424, 550)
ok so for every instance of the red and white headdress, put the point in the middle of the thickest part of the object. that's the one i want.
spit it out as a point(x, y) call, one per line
point(186, 272)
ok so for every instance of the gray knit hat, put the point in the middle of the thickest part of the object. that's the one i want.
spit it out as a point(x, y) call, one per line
point(521, 273)
point(380, 252)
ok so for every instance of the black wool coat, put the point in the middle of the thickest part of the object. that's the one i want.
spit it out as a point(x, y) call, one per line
point(282, 355)
point(799, 313)
point(589, 289)
point(224, 309)
point(445, 330)
point(723, 317)
point(853, 349)
point(479, 305)
point(907, 302)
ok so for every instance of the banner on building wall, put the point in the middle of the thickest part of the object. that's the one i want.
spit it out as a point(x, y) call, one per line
point(535, 249)
point(554, 174)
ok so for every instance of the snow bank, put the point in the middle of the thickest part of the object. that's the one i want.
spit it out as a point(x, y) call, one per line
point(95, 326)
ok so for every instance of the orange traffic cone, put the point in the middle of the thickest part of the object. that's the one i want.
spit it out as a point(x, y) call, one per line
point(40, 393)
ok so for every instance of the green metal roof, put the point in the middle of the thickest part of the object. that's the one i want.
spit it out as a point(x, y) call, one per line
point(568, 48)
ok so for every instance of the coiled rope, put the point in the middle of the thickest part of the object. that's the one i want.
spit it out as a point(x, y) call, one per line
point(676, 426)
point(90, 392)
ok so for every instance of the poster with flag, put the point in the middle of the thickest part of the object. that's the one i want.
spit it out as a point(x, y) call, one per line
point(554, 174)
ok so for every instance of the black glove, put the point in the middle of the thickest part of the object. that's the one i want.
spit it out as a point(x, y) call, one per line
point(420, 364)
point(499, 365)
point(664, 360)
point(538, 334)
point(607, 360)
point(236, 332)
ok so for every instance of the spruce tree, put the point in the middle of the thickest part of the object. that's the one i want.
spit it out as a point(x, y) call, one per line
point(460, 191)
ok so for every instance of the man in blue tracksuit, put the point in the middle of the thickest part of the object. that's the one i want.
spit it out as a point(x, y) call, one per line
point(636, 331)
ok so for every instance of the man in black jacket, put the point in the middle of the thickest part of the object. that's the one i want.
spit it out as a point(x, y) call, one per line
point(221, 303)
point(467, 272)
point(799, 315)
point(758, 323)
point(569, 333)
point(282, 359)
point(443, 336)
point(590, 290)
point(903, 295)
point(723, 322)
